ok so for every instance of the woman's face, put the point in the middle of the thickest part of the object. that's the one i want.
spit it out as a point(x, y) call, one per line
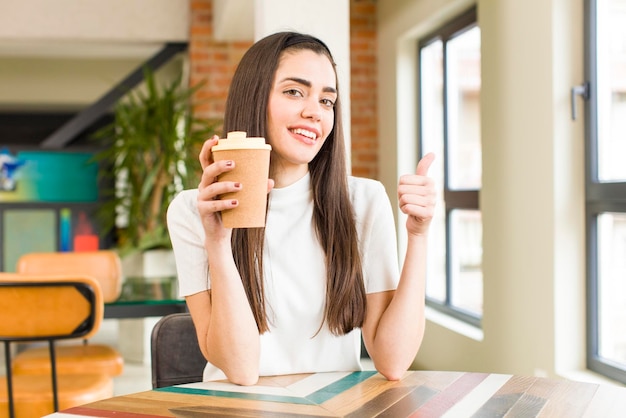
point(300, 112)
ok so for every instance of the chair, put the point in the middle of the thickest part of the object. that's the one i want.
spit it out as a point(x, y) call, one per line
point(103, 265)
point(175, 353)
point(48, 308)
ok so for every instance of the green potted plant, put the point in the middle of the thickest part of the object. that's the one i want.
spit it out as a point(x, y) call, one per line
point(149, 153)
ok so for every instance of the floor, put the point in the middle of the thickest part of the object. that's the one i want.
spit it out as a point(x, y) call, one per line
point(137, 374)
point(136, 378)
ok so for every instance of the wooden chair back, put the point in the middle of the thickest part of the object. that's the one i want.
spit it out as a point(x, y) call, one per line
point(47, 308)
point(104, 265)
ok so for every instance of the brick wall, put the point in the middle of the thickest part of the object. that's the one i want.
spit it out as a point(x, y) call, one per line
point(211, 60)
point(363, 86)
point(215, 62)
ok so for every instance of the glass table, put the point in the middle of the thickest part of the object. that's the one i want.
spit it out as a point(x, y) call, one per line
point(146, 297)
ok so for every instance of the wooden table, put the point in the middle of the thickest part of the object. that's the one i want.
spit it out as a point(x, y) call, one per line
point(368, 394)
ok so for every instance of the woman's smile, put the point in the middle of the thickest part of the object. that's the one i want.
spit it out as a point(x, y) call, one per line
point(307, 136)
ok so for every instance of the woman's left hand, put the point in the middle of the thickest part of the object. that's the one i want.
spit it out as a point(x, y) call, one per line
point(417, 196)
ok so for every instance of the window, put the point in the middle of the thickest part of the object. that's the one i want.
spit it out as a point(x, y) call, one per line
point(449, 115)
point(606, 186)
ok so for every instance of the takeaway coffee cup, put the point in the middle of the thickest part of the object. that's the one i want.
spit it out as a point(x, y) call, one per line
point(252, 162)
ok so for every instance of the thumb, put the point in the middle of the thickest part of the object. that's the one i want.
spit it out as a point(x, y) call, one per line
point(424, 164)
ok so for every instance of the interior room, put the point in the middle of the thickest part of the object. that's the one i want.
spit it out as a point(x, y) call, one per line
point(513, 290)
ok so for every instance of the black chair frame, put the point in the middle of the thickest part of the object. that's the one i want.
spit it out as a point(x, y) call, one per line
point(175, 353)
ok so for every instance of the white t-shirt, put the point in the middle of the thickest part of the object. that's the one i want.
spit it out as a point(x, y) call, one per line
point(295, 273)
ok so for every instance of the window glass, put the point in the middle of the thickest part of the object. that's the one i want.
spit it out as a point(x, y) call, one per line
point(466, 260)
point(612, 287)
point(611, 89)
point(463, 110)
point(431, 103)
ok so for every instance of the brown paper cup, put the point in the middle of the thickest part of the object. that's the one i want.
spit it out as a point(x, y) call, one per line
point(251, 170)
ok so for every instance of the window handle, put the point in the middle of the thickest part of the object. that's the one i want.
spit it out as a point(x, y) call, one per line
point(581, 90)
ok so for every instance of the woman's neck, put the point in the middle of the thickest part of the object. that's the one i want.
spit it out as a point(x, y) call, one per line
point(286, 176)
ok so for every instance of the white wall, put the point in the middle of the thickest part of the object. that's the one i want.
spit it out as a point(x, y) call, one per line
point(533, 182)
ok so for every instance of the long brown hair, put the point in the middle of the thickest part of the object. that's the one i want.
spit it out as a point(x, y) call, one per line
point(333, 215)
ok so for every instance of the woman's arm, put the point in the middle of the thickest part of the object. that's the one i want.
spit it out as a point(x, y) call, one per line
point(226, 328)
point(394, 324)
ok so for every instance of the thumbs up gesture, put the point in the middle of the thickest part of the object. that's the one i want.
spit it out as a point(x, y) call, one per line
point(416, 197)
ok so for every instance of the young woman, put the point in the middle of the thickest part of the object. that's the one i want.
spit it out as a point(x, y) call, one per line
point(294, 297)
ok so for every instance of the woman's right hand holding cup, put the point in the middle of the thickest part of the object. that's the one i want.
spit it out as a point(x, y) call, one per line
point(210, 189)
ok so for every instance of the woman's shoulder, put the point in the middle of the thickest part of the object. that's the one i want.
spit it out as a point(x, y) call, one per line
point(361, 187)
point(367, 194)
point(184, 202)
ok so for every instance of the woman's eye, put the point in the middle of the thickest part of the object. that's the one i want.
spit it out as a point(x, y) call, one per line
point(327, 102)
point(293, 92)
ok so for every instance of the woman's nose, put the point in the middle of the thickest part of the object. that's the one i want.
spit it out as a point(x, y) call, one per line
point(312, 109)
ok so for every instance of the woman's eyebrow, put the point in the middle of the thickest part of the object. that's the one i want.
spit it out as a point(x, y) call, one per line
point(307, 83)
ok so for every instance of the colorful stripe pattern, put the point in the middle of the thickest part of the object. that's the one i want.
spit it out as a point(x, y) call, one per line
point(309, 393)
point(368, 394)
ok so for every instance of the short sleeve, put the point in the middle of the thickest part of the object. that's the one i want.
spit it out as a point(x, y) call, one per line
point(187, 237)
point(377, 235)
